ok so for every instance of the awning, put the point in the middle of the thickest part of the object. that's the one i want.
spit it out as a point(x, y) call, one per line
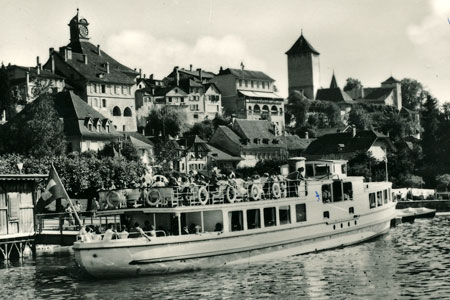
point(259, 95)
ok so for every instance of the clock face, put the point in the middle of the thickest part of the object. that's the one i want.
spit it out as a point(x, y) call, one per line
point(83, 31)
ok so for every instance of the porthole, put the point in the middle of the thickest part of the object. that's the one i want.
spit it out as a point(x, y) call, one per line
point(94, 255)
point(334, 227)
point(355, 222)
point(342, 225)
point(348, 224)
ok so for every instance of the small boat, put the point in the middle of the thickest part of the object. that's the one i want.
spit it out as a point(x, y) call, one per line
point(411, 213)
point(236, 221)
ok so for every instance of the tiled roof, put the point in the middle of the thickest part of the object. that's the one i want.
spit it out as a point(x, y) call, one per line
point(302, 46)
point(138, 139)
point(391, 80)
point(377, 93)
point(97, 65)
point(344, 144)
point(33, 72)
point(219, 155)
point(323, 131)
point(196, 73)
point(334, 95)
point(255, 128)
point(75, 112)
point(294, 142)
point(247, 74)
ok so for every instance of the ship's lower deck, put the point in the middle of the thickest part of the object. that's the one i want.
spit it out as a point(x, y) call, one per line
point(132, 257)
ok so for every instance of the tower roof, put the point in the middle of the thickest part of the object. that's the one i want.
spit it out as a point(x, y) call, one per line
point(302, 46)
point(333, 83)
point(391, 80)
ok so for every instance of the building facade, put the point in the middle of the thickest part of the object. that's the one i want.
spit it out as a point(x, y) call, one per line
point(102, 82)
point(250, 95)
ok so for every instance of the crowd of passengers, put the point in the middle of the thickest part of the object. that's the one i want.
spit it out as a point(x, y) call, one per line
point(91, 233)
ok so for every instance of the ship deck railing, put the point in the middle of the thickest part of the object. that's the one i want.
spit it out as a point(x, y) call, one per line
point(193, 194)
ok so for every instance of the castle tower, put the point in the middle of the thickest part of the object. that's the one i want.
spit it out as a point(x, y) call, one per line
point(391, 82)
point(303, 68)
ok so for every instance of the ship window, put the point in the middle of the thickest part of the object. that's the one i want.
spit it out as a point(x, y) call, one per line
point(385, 194)
point(253, 219)
point(326, 215)
point(300, 210)
point(326, 193)
point(379, 199)
point(270, 218)
point(372, 202)
point(322, 170)
point(337, 191)
point(351, 210)
point(236, 220)
point(309, 171)
point(285, 214)
point(348, 191)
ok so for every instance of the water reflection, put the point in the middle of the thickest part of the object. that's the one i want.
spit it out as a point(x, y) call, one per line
point(411, 262)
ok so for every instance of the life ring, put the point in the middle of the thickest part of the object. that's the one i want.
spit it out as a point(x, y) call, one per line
point(276, 190)
point(255, 193)
point(230, 194)
point(114, 199)
point(153, 197)
point(203, 196)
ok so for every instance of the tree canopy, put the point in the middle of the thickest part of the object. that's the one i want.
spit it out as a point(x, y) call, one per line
point(37, 130)
point(352, 83)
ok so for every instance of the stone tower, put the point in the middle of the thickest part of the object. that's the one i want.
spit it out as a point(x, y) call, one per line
point(303, 68)
point(78, 29)
point(391, 82)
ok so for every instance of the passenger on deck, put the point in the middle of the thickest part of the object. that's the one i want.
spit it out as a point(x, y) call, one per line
point(84, 234)
point(326, 195)
point(124, 233)
point(109, 233)
point(219, 227)
point(185, 230)
point(152, 231)
point(158, 182)
point(147, 226)
point(140, 231)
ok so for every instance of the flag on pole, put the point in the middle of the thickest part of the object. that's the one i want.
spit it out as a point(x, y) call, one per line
point(54, 189)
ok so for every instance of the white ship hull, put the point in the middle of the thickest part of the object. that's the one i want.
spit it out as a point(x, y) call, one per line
point(133, 257)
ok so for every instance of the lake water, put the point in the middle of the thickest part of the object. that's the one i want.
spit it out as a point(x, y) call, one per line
point(411, 262)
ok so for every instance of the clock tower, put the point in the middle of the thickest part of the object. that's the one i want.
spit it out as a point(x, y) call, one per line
point(79, 29)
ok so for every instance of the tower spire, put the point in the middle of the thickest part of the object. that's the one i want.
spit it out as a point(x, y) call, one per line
point(333, 82)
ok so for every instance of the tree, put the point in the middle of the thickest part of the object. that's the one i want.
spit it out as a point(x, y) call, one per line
point(443, 181)
point(124, 148)
point(297, 108)
point(37, 130)
point(204, 129)
point(414, 181)
point(413, 93)
point(166, 122)
point(359, 118)
point(352, 83)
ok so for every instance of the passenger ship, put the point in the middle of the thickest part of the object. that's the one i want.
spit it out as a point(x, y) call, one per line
point(241, 222)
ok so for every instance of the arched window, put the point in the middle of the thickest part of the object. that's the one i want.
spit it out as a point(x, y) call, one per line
point(127, 112)
point(274, 110)
point(265, 108)
point(116, 111)
point(256, 109)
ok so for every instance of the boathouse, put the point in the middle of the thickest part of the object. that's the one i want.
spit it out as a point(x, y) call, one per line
point(18, 196)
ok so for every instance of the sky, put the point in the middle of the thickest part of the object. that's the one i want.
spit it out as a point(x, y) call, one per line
point(369, 40)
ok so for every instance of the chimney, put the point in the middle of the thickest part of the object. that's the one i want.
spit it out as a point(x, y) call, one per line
point(200, 74)
point(221, 70)
point(69, 53)
point(177, 76)
point(27, 83)
point(140, 73)
point(107, 67)
point(98, 50)
point(62, 51)
point(52, 56)
point(190, 67)
point(144, 76)
point(151, 76)
point(85, 59)
point(50, 51)
point(353, 131)
point(307, 135)
point(38, 65)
